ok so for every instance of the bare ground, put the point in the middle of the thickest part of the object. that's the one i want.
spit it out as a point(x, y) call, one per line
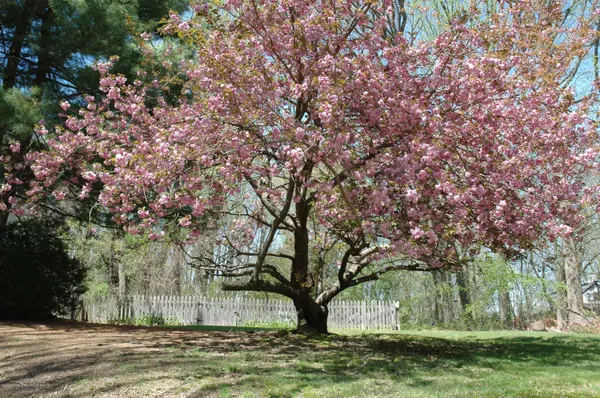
point(79, 360)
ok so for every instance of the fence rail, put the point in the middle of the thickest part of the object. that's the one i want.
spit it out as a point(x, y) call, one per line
point(594, 307)
point(188, 310)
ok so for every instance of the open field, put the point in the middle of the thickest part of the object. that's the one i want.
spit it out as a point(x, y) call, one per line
point(70, 360)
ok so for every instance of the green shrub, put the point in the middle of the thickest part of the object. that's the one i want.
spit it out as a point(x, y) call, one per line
point(38, 279)
point(149, 320)
point(274, 324)
point(146, 320)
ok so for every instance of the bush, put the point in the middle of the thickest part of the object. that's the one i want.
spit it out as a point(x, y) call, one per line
point(145, 320)
point(149, 320)
point(273, 324)
point(38, 279)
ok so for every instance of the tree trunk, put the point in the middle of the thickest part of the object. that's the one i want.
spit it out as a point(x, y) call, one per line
point(44, 60)
point(551, 303)
point(122, 281)
point(448, 298)
point(176, 271)
point(506, 312)
point(463, 291)
point(9, 79)
point(320, 273)
point(115, 268)
point(437, 309)
point(573, 280)
point(312, 317)
point(177, 278)
point(562, 317)
point(444, 300)
point(113, 273)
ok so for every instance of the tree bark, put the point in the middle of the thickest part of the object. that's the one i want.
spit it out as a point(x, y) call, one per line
point(113, 273)
point(115, 269)
point(312, 317)
point(573, 281)
point(562, 317)
point(448, 298)
point(174, 269)
point(122, 281)
point(9, 78)
point(444, 301)
point(301, 249)
point(463, 291)
point(437, 305)
point(44, 61)
point(506, 311)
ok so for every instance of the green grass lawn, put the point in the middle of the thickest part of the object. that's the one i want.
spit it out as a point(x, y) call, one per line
point(413, 364)
point(230, 362)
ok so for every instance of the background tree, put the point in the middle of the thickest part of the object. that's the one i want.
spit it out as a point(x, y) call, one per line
point(120, 265)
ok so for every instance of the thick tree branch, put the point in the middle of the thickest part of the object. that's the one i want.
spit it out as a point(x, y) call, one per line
point(261, 286)
point(269, 206)
point(375, 275)
point(342, 281)
point(262, 255)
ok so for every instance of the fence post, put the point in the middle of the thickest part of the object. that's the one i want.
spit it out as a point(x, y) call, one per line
point(199, 308)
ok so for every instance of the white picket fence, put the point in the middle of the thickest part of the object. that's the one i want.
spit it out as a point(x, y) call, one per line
point(238, 311)
point(594, 307)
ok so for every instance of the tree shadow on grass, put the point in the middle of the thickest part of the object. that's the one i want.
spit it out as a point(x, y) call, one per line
point(114, 360)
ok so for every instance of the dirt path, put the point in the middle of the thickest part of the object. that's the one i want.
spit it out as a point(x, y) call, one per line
point(74, 360)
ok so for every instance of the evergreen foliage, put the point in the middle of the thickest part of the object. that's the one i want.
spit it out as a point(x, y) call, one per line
point(38, 279)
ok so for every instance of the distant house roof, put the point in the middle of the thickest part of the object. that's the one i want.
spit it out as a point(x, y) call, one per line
point(588, 286)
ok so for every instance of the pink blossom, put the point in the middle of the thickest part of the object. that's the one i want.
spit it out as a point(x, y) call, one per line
point(114, 93)
point(41, 129)
point(185, 222)
point(412, 195)
point(156, 235)
point(422, 175)
point(89, 175)
point(59, 195)
point(417, 233)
